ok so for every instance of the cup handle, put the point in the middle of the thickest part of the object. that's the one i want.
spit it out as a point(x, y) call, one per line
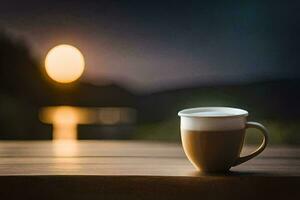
point(265, 141)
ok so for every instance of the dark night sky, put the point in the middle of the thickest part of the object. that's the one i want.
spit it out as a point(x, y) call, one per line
point(149, 46)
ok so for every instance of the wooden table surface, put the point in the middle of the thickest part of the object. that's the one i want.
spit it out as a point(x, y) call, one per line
point(138, 170)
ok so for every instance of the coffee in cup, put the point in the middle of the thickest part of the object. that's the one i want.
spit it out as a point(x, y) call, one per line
point(213, 137)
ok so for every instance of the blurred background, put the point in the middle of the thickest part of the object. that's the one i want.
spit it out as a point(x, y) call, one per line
point(142, 62)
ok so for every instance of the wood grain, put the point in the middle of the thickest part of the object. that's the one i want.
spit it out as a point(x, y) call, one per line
point(137, 170)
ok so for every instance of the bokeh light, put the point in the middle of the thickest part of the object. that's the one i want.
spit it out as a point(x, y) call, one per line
point(64, 63)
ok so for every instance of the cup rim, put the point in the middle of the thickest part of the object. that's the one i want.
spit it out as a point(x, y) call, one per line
point(191, 112)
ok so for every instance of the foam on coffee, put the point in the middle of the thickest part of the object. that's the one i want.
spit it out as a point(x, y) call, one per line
point(212, 119)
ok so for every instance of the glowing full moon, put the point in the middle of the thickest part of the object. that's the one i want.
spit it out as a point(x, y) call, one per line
point(64, 63)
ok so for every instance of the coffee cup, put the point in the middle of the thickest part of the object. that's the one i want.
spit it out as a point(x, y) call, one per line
point(213, 137)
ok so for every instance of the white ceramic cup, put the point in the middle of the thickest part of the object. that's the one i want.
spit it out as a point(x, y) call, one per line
point(213, 137)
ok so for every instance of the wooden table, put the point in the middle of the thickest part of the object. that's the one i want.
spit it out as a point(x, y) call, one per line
point(138, 170)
